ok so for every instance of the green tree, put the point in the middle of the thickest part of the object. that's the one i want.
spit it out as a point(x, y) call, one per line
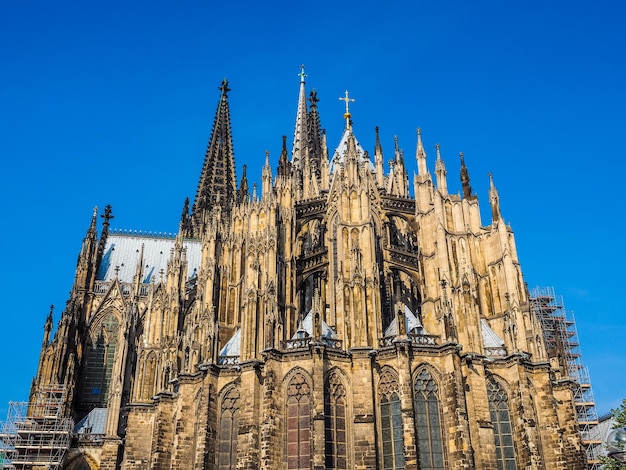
point(619, 421)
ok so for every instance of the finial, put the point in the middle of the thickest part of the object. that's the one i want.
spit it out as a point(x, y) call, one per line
point(302, 75)
point(462, 158)
point(491, 185)
point(224, 87)
point(267, 158)
point(347, 114)
point(438, 152)
point(313, 98)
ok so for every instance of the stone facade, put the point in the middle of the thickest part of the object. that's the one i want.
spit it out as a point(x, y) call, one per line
point(331, 321)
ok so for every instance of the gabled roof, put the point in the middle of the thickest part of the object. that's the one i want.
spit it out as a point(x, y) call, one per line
point(233, 346)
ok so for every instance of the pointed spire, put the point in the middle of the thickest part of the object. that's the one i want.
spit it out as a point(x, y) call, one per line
point(284, 165)
point(465, 180)
point(266, 177)
point(314, 136)
point(379, 161)
point(243, 186)
point(47, 328)
point(440, 173)
point(300, 134)
point(185, 220)
point(107, 216)
point(494, 200)
point(420, 155)
point(218, 170)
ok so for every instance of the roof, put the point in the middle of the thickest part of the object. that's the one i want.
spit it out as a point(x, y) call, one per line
point(233, 346)
point(122, 251)
point(338, 155)
point(413, 324)
point(93, 423)
point(490, 338)
point(307, 325)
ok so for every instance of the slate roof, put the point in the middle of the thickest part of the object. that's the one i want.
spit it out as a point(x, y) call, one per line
point(122, 250)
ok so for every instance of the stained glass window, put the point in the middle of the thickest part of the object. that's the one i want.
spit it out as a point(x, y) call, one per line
point(502, 429)
point(298, 423)
point(391, 423)
point(428, 422)
point(335, 423)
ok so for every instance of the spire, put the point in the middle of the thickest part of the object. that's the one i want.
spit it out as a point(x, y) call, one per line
point(47, 328)
point(185, 220)
point(300, 134)
point(218, 170)
point(283, 161)
point(440, 173)
point(379, 161)
point(243, 187)
point(266, 177)
point(107, 216)
point(494, 200)
point(420, 155)
point(465, 180)
point(314, 136)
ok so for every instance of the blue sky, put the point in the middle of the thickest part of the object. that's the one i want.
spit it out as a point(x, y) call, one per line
point(112, 103)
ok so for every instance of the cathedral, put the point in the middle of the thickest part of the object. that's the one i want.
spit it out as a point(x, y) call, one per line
point(343, 315)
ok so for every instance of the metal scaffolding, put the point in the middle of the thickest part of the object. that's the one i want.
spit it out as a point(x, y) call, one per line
point(561, 341)
point(36, 434)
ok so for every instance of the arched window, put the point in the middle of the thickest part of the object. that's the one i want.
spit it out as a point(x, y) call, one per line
point(335, 423)
point(229, 428)
point(390, 423)
point(502, 430)
point(298, 423)
point(428, 422)
point(99, 358)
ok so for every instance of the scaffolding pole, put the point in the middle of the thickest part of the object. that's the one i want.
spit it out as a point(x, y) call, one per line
point(36, 434)
point(561, 340)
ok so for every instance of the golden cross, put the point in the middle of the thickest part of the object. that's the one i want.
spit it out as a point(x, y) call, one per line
point(347, 100)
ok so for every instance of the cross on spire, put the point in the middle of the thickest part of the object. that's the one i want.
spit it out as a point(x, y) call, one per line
point(347, 114)
point(302, 75)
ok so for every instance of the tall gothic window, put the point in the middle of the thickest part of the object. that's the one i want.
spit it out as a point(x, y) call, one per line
point(502, 430)
point(298, 423)
point(428, 423)
point(335, 423)
point(99, 358)
point(391, 423)
point(229, 428)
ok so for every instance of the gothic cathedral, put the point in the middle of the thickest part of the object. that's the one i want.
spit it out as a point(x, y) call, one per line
point(338, 319)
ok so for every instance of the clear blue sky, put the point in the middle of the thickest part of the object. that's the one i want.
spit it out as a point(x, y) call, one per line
point(112, 103)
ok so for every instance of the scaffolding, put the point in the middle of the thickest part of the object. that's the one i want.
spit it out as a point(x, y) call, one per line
point(561, 342)
point(36, 434)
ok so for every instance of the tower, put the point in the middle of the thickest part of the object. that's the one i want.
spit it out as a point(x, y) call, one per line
point(333, 321)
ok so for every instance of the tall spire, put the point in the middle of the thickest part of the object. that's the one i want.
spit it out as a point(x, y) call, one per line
point(420, 155)
point(440, 173)
point(465, 180)
point(494, 200)
point(218, 170)
point(300, 134)
point(314, 136)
